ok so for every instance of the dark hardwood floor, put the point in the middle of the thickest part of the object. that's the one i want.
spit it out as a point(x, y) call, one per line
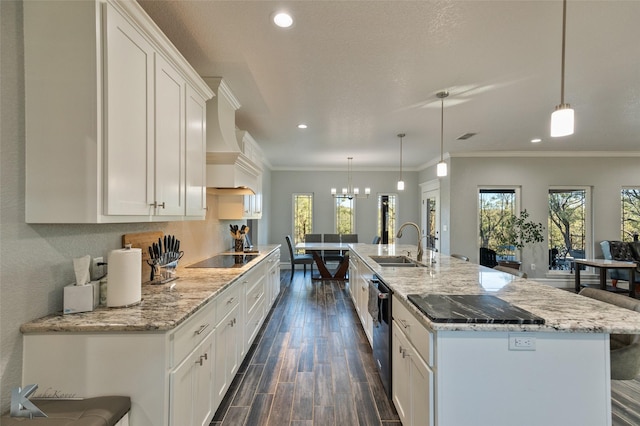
point(310, 365)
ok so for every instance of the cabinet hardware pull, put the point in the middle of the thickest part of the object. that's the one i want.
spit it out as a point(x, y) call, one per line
point(155, 204)
point(403, 323)
point(400, 349)
point(202, 328)
point(206, 356)
point(405, 355)
point(231, 300)
point(199, 361)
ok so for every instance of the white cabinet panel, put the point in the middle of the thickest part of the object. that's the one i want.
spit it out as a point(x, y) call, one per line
point(169, 164)
point(129, 117)
point(196, 146)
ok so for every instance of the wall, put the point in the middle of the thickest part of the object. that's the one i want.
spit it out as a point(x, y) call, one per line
point(36, 260)
point(535, 175)
point(285, 183)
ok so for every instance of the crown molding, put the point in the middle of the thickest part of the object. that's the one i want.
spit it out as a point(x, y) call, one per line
point(531, 154)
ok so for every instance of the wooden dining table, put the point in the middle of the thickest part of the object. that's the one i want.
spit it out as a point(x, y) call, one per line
point(325, 273)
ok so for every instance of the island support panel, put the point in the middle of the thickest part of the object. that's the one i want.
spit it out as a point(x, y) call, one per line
point(564, 381)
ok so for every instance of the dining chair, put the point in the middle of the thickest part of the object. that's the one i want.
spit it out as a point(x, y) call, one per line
point(376, 240)
point(332, 255)
point(348, 238)
point(488, 257)
point(312, 238)
point(511, 271)
point(298, 259)
point(460, 256)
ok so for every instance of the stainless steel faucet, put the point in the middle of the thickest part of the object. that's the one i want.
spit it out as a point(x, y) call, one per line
point(419, 257)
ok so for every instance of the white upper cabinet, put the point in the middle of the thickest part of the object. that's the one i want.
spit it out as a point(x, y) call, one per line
point(115, 117)
point(196, 150)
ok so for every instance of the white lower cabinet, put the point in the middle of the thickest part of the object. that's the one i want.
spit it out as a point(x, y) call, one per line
point(412, 382)
point(227, 342)
point(191, 385)
point(174, 378)
point(359, 276)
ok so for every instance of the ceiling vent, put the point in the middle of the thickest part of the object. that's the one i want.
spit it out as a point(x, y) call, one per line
point(466, 136)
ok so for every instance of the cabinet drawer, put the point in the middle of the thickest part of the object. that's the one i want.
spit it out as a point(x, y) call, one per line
point(226, 301)
point(192, 332)
point(254, 295)
point(418, 335)
point(254, 321)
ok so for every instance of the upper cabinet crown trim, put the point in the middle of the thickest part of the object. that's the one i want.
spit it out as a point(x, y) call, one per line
point(133, 11)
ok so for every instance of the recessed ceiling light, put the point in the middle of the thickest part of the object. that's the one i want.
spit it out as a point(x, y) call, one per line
point(536, 140)
point(283, 20)
point(302, 126)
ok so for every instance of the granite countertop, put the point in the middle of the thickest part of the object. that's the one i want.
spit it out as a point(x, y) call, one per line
point(163, 307)
point(562, 311)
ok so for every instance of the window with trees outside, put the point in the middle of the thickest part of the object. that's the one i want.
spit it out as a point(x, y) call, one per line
point(386, 229)
point(302, 216)
point(497, 206)
point(345, 214)
point(630, 228)
point(568, 227)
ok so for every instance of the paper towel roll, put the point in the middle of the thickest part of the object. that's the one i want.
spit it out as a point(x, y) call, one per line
point(124, 285)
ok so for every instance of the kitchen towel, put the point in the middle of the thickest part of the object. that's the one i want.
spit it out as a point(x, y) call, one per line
point(374, 297)
point(124, 285)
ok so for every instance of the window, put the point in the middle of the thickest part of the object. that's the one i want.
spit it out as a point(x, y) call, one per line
point(387, 218)
point(496, 209)
point(345, 214)
point(630, 228)
point(302, 216)
point(568, 226)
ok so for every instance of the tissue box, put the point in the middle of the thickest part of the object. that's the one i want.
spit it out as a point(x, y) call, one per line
point(81, 298)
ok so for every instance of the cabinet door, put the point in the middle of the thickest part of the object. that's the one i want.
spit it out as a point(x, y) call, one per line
point(401, 375)
point(196, 147)
point(169, 163)
point(203, 383)
point(421, 391)
point(227, 342)
point(129, 132)
point(182, 392)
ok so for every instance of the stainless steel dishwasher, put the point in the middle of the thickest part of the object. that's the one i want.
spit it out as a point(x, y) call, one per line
point(382, 330)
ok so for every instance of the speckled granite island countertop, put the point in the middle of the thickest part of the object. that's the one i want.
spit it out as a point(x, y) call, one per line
point(163, 307)
point(562, 311)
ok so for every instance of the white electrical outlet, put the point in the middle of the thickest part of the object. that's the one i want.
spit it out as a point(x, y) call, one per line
point(522, 342)
point(533, 266)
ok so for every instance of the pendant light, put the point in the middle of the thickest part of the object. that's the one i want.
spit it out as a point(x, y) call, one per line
point(562, 117)
point(441, 168)
point(401, 182)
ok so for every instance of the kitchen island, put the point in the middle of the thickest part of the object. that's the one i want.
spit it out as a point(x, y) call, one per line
point(174, 354)
point(549, 372)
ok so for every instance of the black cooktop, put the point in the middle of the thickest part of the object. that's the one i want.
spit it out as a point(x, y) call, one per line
point(225, 261)
point(472, 308)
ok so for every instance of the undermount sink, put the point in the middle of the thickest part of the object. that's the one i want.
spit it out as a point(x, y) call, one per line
point(396, 261)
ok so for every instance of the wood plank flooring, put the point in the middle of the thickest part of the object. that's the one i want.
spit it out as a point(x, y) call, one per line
point(310, 365)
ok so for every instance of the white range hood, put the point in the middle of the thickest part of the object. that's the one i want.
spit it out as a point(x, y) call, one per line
point(229, 170)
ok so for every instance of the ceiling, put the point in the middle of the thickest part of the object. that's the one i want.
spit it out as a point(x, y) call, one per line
point(360, 72)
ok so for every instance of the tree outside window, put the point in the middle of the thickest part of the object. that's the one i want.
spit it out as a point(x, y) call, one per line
point(567, 227)
point(630, 198)
point(497, 207)
point(345, 210)
point(387, 217)
point(302, 216)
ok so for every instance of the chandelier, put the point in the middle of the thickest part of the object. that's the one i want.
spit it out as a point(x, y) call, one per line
point(349, 191)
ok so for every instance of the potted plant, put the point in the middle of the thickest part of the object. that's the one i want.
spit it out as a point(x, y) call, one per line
point(518, 232)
